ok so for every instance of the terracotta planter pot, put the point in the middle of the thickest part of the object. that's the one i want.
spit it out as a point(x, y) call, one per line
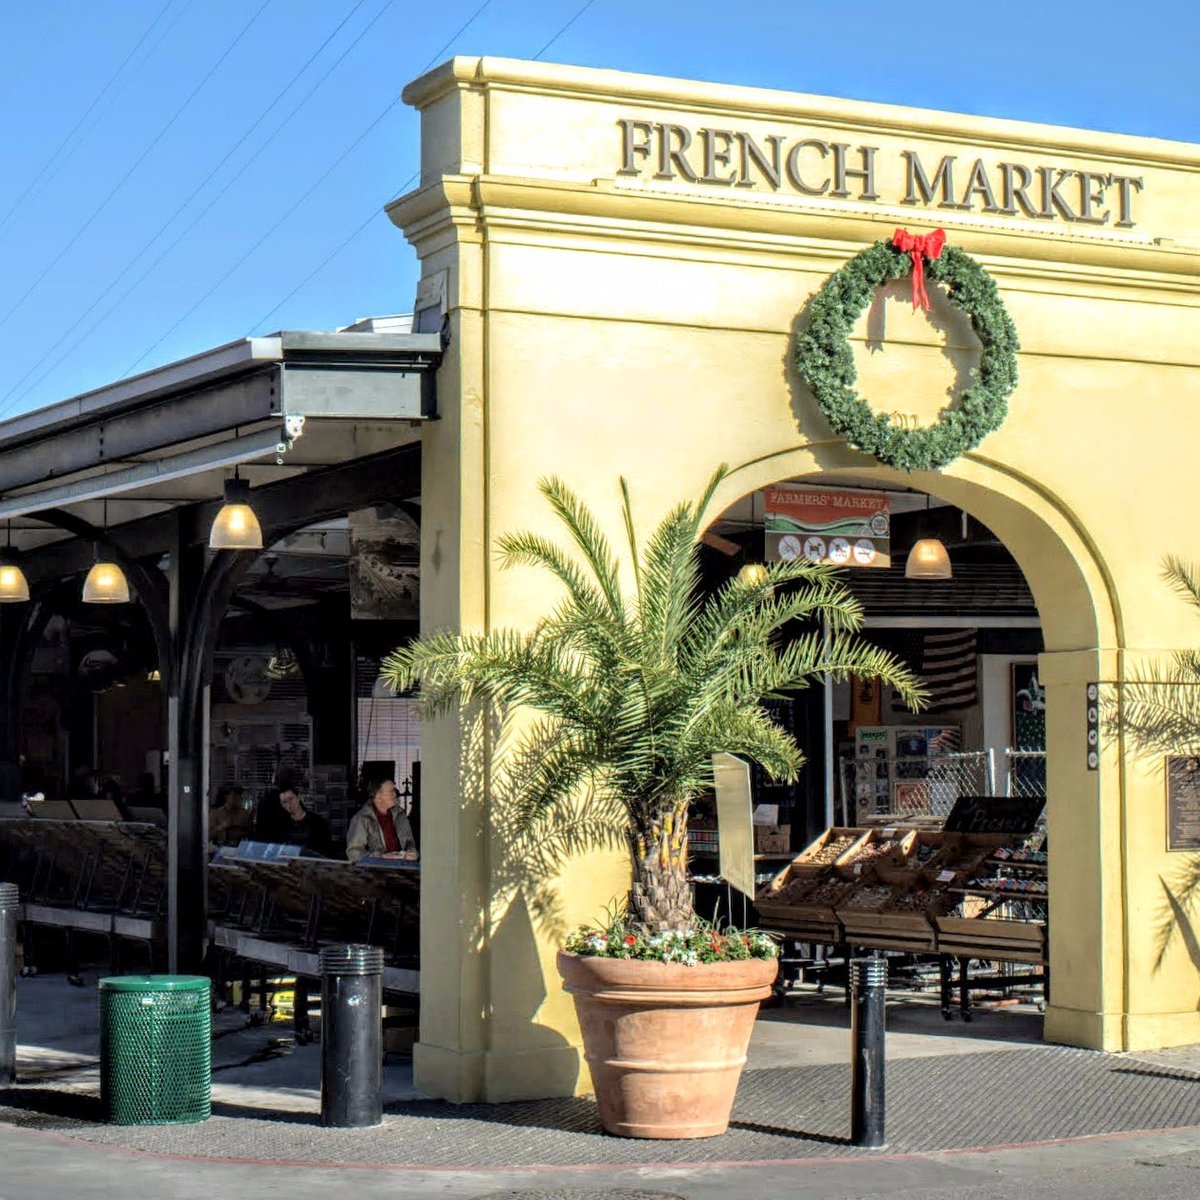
point(666, 1044)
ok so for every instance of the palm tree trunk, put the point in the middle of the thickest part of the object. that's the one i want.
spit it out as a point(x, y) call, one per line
point(661, 897)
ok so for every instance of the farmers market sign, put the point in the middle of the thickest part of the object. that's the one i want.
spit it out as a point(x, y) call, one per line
point(811, 166)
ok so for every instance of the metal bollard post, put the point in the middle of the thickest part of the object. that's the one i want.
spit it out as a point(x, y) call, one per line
point(351, 1036)
point(10, 907)
point(868, 984)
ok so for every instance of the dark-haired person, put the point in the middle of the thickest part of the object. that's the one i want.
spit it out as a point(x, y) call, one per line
point(380, 829)
point(229, 821)
point(295, 825)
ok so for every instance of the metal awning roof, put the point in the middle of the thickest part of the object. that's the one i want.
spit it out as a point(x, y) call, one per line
point(276, 406)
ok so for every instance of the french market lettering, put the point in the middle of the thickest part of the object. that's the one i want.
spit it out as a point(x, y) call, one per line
point(811, 166)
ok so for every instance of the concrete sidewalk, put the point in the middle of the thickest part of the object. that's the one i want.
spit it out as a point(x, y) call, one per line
point(955, 1094)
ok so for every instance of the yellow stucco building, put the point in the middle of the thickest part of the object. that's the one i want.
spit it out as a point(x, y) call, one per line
point(623, 261)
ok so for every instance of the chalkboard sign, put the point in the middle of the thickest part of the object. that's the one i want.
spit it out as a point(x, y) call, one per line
point(995, 814)
point(1183, 802)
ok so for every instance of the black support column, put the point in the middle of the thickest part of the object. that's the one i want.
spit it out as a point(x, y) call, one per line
point(187, 850)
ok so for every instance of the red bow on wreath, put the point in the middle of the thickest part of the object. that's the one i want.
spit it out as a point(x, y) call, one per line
point(926, 246)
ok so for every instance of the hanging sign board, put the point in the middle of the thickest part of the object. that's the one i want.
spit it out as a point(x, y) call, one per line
point(844, 527)
point(735, 822)
point(1183, 802)
point(1016, 815)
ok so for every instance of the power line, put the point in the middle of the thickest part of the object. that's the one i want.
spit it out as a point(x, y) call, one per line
point(337, 162)
point(53, 160)
point(308, 192)
point(86, 113)
point(582, 9)
point(141, 158)
point(106, 291)
point(375, 212)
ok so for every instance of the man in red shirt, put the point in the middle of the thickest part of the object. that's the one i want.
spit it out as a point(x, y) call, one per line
point(380, 829)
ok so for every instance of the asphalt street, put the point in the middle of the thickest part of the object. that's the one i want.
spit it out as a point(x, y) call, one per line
point(1162, 1166)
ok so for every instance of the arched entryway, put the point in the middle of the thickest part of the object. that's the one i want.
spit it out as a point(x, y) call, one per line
point(1078, 621)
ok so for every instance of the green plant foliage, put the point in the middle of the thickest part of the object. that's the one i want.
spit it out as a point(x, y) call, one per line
point(825, 359)
point(702, 944)
point(637, 677)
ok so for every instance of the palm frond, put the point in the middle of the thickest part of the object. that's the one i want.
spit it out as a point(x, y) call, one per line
point(633, 697)
point(588, 537)
point(1184, 578)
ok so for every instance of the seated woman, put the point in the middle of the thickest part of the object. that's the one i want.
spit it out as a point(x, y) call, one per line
point(229, 821)
point(380, 829)
point(297, 826)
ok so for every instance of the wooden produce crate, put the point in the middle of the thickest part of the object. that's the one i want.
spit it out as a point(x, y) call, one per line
point(868, 917)
point(818, 858)
point(802, 905)
point(877, 848)
point(992, 937)
point(909, 868)
point(961, 853)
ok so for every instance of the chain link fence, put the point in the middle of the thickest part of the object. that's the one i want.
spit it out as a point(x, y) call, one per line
point(913, 787)
point(1026, 773)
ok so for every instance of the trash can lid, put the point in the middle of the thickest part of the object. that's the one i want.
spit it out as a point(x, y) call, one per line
point(155, 983)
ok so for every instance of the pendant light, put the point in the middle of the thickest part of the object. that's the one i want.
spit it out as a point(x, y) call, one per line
point(105, 582)
point(752, 575)
point(236, 527)
point(14, 587)
point(928, 559)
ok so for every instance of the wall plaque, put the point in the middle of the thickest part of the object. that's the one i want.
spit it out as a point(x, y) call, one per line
point(1183, 802)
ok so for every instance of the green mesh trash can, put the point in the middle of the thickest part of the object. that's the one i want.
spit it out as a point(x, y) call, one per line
point(155, 1049)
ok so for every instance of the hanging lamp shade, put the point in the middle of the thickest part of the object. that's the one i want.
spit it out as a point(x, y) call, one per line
point(236, 527)
point(753, 575)
point(14, 587)
point(928, 559)
point(106, 584)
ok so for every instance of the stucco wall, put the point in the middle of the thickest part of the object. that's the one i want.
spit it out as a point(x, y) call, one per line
point(605, 325)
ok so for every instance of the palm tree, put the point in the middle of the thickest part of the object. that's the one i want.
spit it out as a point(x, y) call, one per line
point(638, 678)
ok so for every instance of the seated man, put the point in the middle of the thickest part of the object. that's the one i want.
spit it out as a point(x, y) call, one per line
point(380, 829)
point(299, 826)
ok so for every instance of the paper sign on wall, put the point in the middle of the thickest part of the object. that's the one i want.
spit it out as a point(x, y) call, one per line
point(843, 527)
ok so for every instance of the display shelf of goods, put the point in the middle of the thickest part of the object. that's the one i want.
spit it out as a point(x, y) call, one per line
point(876, 848)
point(703, 842)
point(897, 920)
point(918, 855)
point(992, 937)
point(826, 850)
point(959, 857)
point(803, 904)
point(1000, 916)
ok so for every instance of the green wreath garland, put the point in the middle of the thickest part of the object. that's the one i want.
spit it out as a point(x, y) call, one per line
point(825, 359)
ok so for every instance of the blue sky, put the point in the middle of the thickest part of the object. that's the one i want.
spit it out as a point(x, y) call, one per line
point(144, 215)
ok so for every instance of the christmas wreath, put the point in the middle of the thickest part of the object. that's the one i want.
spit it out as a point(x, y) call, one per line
point(825, 358)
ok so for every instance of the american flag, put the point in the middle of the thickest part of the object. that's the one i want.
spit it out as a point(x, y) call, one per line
point(948, 667)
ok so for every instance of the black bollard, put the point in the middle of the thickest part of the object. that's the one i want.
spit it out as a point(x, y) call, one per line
point(10, 906)
point(868, 989)
point(351, 1036)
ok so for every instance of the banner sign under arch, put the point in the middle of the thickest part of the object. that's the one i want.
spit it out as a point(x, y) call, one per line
point(827, 525)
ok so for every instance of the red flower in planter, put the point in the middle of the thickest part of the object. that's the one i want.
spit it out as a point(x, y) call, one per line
point(630, 940)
